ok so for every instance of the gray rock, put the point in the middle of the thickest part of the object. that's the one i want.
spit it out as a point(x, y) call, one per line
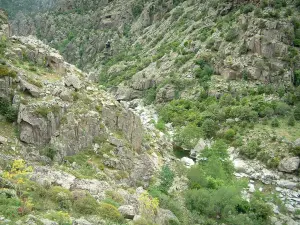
point(286, 184)
point(165, 217)
point(66, 95)
point(73, 80)
point(188, 162)
point(116, 118)
point(3, 140)
point(289, 164)
point(32, 89)
point(166, 93)
point(81, 221)
point(127, 211)
point(48, 222)
point(201, 145)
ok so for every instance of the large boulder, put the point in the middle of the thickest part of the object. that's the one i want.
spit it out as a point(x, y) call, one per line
point(73, 80)
point(128, 211)
point(188, 162)
point(165, 94)
point(289, 164)
point(3, 140)
point(165, 217)
point(37, 129)
point(30, 88)
point(201, 145)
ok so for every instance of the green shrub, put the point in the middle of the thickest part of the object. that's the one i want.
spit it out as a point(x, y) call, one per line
point(115, 196)
point(229, 134)
point(232, 34)
point(59, 217)
point(297, 42)
point(248, 8)
point(9, 206)
point(137, 8)
point(86, 205)
point(166, 177)
point(204, 74)
point(297, 77)
point(160, 125)
point(7, 110)
point(149, 96)
point(291, 121)
point(282, 108)
point(275, 123)
point(209, 128)
point(5, 71)
point(109, 211)
point(188, 136)
point(61, 196)
point(266, 112)
point(49, 151)
point(251, 149)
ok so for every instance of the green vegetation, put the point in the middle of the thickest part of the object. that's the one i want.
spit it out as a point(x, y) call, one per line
point(213, 192)
point(45, 110)
point(59, 203)
point(6, 72)
point(9, 112)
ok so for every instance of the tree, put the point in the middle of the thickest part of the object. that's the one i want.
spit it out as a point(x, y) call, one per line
point(209, 128)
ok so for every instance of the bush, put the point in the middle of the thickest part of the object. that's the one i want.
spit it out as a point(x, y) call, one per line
point(9, 206)
point(149, 96)
point(86, 205)
point(109, 211)
point(248, 8)
point(282, 108)
point(6, 72)
point(229, 134)
point(209, 128)
point(250, 150)
point(50, 152)
point(188, 136)
point(291, 121)
point(7, 110)
point(115, 196)
point(166, 177)
point(160, 125)
point(59, 217)
point(275, 123)
point(232, 34)
point(61, 196)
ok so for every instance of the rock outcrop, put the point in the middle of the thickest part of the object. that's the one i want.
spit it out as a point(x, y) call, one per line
point(289, 164)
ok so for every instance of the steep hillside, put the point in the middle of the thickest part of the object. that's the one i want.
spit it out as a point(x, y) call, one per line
point(68, 149)
point(215, 81)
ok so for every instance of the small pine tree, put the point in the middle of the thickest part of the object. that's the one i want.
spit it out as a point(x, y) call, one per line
point(291, 121)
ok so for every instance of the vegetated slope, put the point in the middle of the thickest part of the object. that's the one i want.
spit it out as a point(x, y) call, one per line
point(69, 152)
point(168, 53)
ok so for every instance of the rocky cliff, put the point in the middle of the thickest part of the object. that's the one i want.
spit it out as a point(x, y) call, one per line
point(59, 115)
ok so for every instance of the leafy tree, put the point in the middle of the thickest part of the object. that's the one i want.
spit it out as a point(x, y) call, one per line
point(209, 128)
point(166, 179)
